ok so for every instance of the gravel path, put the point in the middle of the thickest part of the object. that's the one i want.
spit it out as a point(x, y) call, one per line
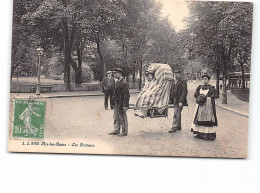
point(84, 120)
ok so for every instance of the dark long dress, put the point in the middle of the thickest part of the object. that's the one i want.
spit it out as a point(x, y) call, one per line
point(205, 117)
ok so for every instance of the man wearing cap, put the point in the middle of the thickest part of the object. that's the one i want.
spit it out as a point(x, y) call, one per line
point(108, 85)
point(178, 98)
point(121, 99)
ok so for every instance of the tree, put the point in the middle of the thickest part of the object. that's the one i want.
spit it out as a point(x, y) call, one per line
point(216, 35)
point(50, 22)
point(203, 34)
point(237, 27)
point(21, 35)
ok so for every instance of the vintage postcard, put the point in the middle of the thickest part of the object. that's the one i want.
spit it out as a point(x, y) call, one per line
point(131, 77)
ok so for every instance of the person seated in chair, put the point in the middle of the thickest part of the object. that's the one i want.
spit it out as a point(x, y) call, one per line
point(154, 96)
point(150, 76)
point(145, 98)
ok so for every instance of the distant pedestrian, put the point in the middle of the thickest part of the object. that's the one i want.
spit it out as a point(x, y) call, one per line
point(205, 118)
point(108, 85)
point(121, 99)
point(178, 98)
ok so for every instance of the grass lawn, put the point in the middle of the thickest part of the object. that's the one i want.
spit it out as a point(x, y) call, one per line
point(241, 90)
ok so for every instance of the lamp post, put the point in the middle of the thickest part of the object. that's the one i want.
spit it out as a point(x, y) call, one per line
point(38, 87)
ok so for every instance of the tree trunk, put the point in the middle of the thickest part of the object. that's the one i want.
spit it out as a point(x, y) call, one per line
point(78, 71)
point(127, 78)
point(78, 77)
point(67, 56)
point(133, 79)
point(69, 36)
point(125, 52)
point(66, 69)
point(217, 82)
point(101, 55)
point(13, 68)
point(243, 74)
point(141, 75)
point(226, 61)
point(224, 93)
point(12, 72)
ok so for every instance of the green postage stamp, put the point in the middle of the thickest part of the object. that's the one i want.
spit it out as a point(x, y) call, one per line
point(28, 119)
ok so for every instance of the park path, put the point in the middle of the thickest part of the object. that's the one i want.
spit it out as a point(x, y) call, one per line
point(84, 119)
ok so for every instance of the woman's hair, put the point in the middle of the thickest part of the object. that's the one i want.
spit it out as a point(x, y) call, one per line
point(208, 77)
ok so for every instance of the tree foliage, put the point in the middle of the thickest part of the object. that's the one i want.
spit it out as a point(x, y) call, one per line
point(220, 34)
point(130, 34)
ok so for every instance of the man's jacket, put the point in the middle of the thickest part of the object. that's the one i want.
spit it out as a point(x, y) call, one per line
point(121, 94)
point(179, 93)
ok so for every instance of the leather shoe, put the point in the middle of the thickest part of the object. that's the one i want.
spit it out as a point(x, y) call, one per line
point(178, 128)
point(122, 134)
point(173, 130)
point(114, 133)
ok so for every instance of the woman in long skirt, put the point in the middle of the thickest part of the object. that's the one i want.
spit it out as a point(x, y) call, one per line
point(205, 118)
